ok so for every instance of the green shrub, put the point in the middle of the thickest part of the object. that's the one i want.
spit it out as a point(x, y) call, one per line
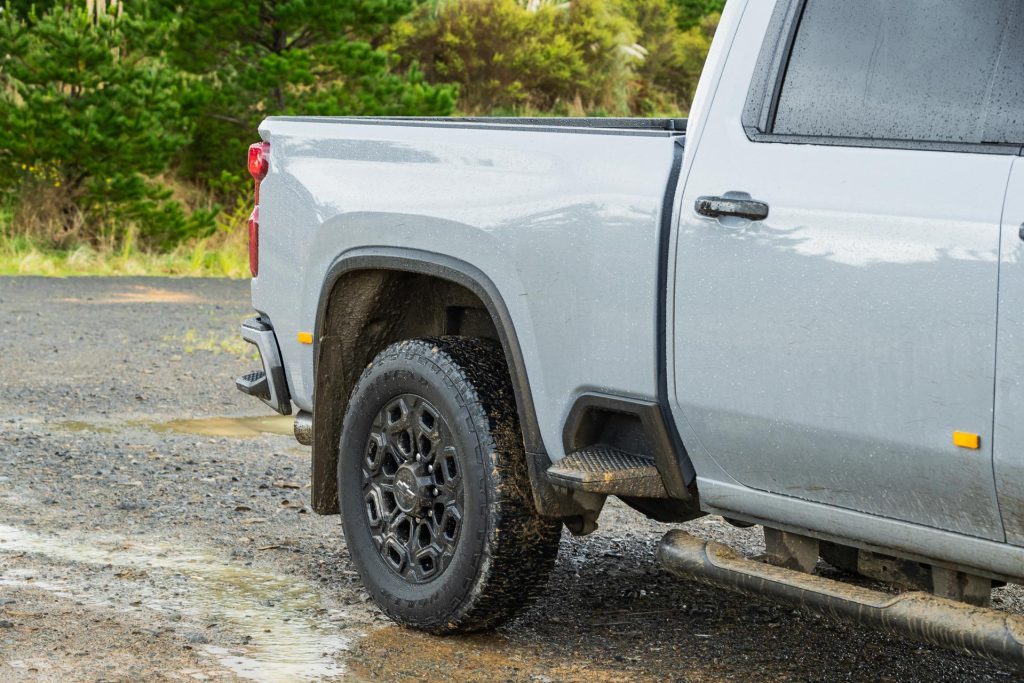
point(690, 13)
point(93, 113)
point(673, 58)
point(555, 57)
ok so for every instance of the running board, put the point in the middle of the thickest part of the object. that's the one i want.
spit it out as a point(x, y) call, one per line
point(608, 471)
point(993, 635)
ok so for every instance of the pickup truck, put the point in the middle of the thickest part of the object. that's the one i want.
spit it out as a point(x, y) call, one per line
point(800, 308)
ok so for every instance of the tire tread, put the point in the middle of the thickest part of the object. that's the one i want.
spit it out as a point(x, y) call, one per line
point(520, 547)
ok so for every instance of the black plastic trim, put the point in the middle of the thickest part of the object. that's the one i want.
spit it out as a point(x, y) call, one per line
point(661, 331)
point(658, 435)
point(264, 338)
point(766, 86)
point(461, 273)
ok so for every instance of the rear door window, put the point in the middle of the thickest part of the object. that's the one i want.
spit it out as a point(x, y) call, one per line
point(913, 70)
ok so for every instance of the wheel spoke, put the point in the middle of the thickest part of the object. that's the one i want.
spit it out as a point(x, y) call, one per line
point(412, 484)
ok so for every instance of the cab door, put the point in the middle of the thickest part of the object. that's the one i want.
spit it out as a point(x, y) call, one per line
point(838, 258)
point(1009, 423)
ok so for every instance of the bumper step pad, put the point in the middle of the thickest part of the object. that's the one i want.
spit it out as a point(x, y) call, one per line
point(254, 384)
point(607, 470)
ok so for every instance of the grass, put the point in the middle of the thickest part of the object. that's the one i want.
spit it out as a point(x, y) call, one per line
point(234, 345)
point(222, 255)
point(38, 245)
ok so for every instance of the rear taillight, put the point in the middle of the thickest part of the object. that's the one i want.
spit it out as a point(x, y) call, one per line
point(259, 160)
point(259, 165)
point(254, 241)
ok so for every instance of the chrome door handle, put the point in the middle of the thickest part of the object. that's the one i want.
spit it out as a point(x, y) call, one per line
point(719, 207)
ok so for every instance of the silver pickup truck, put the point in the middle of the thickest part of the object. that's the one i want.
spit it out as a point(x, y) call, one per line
point(802, 308)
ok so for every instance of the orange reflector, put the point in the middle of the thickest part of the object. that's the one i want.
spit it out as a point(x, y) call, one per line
point(305, 337)
point(965, 440)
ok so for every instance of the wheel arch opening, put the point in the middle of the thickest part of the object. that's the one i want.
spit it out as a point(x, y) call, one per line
point(371, 302)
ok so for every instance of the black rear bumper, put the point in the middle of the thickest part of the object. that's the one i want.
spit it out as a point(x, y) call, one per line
point(269, 384)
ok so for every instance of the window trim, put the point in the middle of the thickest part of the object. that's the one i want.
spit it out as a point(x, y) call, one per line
point(766, 88)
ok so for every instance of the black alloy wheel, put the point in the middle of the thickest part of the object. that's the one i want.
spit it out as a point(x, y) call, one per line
point(412, 488)
point(435, 495)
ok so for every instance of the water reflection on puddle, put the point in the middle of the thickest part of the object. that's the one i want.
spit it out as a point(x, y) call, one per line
point(237, 427)
point(231, 427)
point(290, 636)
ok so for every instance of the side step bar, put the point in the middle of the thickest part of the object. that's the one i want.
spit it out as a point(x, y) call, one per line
point(978, 631)
point(608, 471)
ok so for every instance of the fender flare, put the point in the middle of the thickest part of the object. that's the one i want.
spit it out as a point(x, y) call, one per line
point(461, 273)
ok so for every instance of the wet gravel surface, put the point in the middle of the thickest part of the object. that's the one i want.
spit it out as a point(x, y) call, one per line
point(130, 550)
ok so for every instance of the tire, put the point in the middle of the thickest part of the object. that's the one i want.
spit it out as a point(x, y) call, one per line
point(448, 542)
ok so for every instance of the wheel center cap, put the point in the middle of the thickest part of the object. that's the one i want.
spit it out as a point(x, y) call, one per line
point(407, 489)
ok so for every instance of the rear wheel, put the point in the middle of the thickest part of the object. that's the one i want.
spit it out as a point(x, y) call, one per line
point(436, 502)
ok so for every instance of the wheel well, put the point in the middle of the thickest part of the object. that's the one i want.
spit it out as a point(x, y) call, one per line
point(365, 312)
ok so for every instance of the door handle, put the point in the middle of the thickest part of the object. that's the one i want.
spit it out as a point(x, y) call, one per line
point(719, 207)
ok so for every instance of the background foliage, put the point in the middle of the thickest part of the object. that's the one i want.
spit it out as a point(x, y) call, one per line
point(127, 121)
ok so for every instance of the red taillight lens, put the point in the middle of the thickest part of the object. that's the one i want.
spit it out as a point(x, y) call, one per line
point(254, 242)
point(259, 160)
point(259, 165)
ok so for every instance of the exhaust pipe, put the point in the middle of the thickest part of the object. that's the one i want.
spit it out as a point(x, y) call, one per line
point(304, 428)
point(982, 632)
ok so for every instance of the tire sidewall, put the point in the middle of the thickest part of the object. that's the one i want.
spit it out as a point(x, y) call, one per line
point(430, 604)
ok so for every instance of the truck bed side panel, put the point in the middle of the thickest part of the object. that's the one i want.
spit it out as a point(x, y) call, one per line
point(566, 225)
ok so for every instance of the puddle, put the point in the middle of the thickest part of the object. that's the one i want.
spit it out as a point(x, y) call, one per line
point(290, 635)
point(79, 426)
point(231, 427)
point(235, 427)
point(140, 294)
point(393, 653)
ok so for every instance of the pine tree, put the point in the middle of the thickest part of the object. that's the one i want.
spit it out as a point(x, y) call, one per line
point(91, 113)
point(295, 57)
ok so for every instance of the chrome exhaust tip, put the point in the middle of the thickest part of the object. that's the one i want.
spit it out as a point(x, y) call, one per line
point(304, 428)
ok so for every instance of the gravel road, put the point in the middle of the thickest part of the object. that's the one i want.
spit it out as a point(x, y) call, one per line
point(154, 525)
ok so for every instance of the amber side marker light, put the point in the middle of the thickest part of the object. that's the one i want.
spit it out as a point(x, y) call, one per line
point(967, 440)
point(305, 337)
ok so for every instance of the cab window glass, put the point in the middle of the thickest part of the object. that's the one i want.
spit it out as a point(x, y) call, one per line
point(916, 70)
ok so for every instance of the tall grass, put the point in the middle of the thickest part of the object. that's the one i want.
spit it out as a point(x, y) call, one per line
point(25, 252)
